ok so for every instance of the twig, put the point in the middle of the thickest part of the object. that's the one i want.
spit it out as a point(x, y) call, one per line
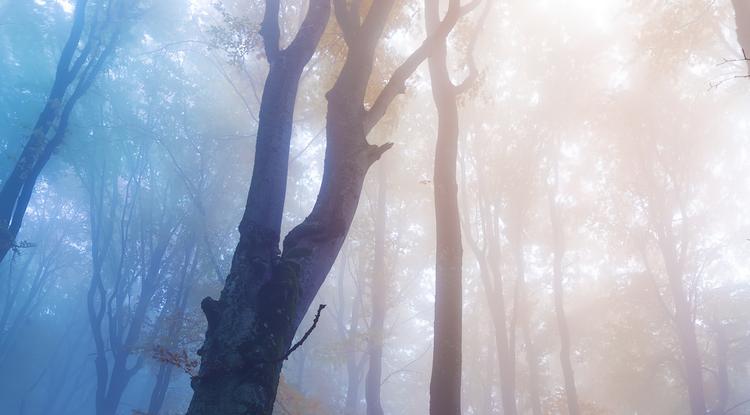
point(305, 336)
point(732, 408)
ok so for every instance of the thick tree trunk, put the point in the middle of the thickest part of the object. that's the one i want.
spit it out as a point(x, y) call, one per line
point(266, 295)
point(379, 296)
point(252, 325)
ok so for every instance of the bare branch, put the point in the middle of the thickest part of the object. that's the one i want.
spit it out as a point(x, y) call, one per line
point(470, 61)
point(305, 336)
point(397, 84)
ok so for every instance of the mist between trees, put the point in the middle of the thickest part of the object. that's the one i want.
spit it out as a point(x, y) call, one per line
point(368, 207)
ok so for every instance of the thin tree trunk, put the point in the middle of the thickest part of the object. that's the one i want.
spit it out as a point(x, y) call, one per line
point(493, 284)
point(691, 358)
point(445, 382)
point(522, 315)
point(159, 391)
point(722, 368)
point(379, 296)
point(684, 318)
point(571, 395)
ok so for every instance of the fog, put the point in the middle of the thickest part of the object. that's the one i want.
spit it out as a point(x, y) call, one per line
point(374, 207)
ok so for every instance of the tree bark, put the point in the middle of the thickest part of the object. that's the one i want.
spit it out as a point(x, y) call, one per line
point(267, 292)
point(252, 324)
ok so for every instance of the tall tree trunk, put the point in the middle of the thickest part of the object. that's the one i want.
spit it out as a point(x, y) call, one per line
point(379, 297)
point(252, 324)
point(445, 382)
point(692, 362)
point(571, 395)
point(684, 317)
point(159, 391)
point(267, 293)
point(524, 315)
point(488, 258)
point(354, 364)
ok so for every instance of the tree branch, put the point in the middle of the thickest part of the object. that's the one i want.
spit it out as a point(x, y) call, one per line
point(306, 41)
point(470, 61)
point(270, 30)
point(397, 84)
point(344, 19)
point(305, 336)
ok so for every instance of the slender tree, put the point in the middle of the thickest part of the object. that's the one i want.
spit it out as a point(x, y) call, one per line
point(488, 255)
point(558, 243)
point(379, 295)
point(445, 382)
point(92, 41)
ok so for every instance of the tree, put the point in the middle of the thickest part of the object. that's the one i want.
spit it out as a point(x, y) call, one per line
point(379, 295)
point(558, 243)
point(268, 291)
point(91, 43)
point(445, 382)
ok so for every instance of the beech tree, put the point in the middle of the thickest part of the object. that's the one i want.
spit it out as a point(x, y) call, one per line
point(268, 291)
point(445, 382)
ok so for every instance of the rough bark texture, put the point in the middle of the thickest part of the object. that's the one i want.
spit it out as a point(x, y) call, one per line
point(268, 292)
point(253, 323)
point(379, 296)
